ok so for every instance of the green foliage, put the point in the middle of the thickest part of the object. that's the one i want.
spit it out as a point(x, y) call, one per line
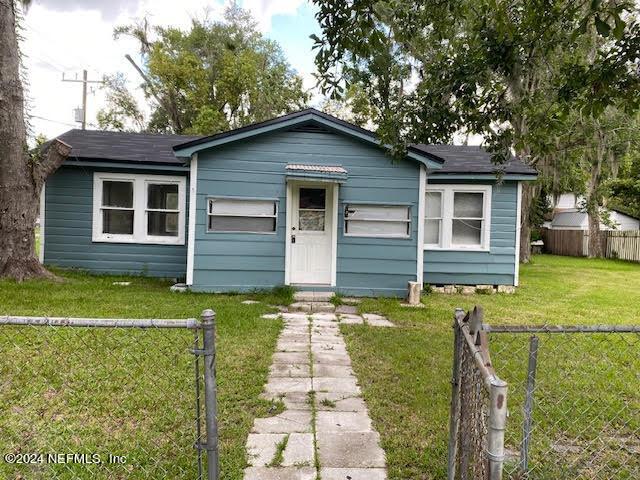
point(217, 76)
point(278, 295)
point(624, 191)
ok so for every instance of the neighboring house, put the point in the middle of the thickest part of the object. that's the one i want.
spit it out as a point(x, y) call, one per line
point(568, 215)
point(305, 199)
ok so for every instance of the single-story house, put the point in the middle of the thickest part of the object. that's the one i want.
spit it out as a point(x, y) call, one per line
point(305, 199)
point(568, 214)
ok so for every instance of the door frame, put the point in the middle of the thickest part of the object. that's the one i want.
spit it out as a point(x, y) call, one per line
point(332, 196)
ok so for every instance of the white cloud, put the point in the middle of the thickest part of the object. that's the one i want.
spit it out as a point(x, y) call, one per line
point(264, 10)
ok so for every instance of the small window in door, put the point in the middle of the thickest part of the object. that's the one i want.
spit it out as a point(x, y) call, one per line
point(311, 209)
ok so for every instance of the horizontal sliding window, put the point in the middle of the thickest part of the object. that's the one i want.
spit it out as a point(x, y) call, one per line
point(242, 215)
point(135, 208)
point(457, 217)
point(369, 220)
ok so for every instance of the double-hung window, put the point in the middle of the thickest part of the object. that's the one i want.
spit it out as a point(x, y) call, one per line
point(371, 220)
point(246, 215)
point(457, 217)
point(133, 208)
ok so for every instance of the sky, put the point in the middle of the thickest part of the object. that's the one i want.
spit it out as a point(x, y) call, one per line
point(67, 36)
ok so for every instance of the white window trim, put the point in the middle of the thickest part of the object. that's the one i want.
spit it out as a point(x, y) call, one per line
point(377, 235)
point(446, 230)
point(140, 183)
point(274, 215)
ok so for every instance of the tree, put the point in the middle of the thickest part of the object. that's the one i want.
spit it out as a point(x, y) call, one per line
point(624, 191)
point(216, 76)
point(506, 70)
point(22, 173)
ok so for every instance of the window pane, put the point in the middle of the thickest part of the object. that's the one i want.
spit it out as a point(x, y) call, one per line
point(374, 228)
point(241, 224)
point(467, 232)
point(163, 197)
point(313, 198)
point(382, 212)
point(434, 205)
point(117, 222)
point(162, 224)
point(432, 232)
point(117, 194)
point(467, 205)
point(230, 206)
point(311, 220)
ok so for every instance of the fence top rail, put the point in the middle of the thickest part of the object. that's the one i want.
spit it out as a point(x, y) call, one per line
point(191, 323)
point(562, 329)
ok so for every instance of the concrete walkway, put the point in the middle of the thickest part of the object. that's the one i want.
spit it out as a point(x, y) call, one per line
point(325, 430)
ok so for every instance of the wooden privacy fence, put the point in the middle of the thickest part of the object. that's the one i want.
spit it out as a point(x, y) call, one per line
point(623, 245)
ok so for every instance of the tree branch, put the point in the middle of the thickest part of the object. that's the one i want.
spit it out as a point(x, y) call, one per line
point(48, 161)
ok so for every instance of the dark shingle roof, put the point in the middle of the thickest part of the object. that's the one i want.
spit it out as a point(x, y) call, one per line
point(159, 148)
point(124, 146)
point(473, 159)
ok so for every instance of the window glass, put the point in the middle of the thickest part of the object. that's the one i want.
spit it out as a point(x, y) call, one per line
point(162, 224)
point(117, 194)
point(313, 198)
point(311, 220)
point(467, 232)
point(241, 224)
point(434, 205)
point(432, 232)
point(117, 222)
point(377, 220)
point(162, 197)
point(467, 205)
point(242, 215)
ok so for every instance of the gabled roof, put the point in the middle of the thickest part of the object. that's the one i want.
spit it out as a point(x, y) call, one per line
point(309, 116)
point(473, 159)
point(124, 146)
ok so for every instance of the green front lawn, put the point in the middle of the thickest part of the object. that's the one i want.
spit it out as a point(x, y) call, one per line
point(124, 392)
point(405, 372)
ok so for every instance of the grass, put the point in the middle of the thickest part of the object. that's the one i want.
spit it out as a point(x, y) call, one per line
point(124, 392)
point(405, 372)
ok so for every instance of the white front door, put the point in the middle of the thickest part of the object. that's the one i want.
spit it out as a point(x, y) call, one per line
point(311, 233)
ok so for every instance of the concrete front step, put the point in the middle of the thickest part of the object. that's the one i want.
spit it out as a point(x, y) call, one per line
point(312, 307)
point(312, 296)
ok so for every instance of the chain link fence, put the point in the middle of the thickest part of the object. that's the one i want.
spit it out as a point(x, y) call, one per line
point(107, 399)
point(478, 404)
point(574, 401)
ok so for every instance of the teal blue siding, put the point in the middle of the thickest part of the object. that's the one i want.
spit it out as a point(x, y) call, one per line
point(495, 267)
point(255, 167)
point(68, 227)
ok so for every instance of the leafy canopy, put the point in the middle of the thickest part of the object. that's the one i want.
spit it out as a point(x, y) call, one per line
point(216, 76)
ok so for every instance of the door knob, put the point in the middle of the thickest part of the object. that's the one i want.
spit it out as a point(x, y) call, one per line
point(293, 239)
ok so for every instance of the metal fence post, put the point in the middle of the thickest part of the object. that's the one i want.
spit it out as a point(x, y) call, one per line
point(454, 414)
point(496, 427)
point(208, 325)
point(528, 404)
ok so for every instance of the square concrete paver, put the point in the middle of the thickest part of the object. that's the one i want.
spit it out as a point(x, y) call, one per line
point(284, 473)
point(290, 357)
point(328, 348)
point(324, 316)
point(353, 474)
point(289, 421)
point(340, 422)
point(333, 371)
point(327, 384)
point(349, 450)
point(350, 309)
point(292, 347)
point(261, 447)
point(289, 370)
point(351, 319)
point(339, 402)
point(299, 450)
point(331, 359)
point(287, 384)
point(291, 400)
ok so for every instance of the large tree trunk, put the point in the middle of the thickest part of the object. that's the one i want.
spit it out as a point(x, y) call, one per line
point(21, 176)
point(528, 194)
point(595, 236)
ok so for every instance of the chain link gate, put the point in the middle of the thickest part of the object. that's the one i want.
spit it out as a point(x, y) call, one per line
point(108, 398)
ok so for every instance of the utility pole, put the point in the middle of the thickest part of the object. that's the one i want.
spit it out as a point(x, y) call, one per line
point(84, 82)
